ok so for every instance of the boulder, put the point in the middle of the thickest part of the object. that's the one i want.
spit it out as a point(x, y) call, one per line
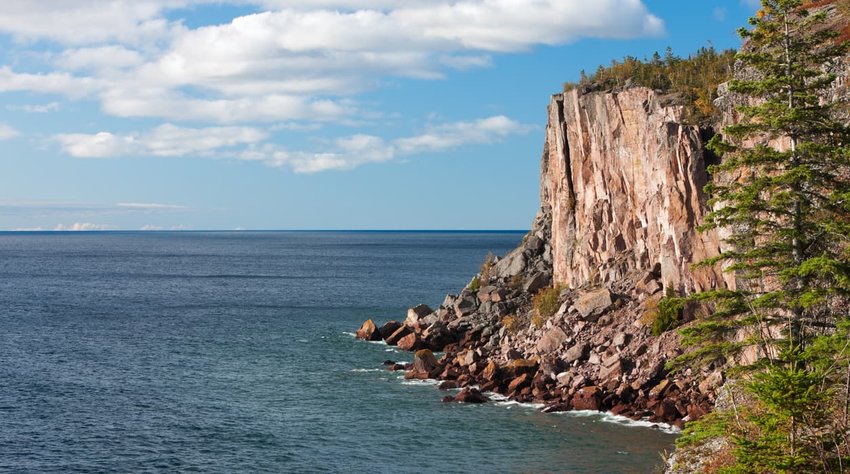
point(576, 352)
point(389, 328)
point(534, 245)
point(536, 282)
point(415, 313)
point(437, 336)
point(519, 383)
point(424, 361)
point(465, 305)
point(368, 331)
point(524, 366)
point(471, 395)
point(587, 398)
point(612, 368)
point(593, 303)
point(710, 383)
point(410, 342)
point(491, 371)
point(399, 334)
point(448, 385)
point(551, 341)
point(512, 264)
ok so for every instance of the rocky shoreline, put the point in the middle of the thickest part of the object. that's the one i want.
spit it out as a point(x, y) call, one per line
point(595, 352)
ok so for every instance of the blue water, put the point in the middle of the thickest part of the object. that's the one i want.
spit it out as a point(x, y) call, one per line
point(231, 352)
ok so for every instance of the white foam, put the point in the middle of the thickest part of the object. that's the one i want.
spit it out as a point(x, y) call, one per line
point(368, 370)
point(420, 383)
point(622, 420)
point(350, 334)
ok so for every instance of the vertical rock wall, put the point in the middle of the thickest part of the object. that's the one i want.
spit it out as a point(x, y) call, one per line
point(623, 178)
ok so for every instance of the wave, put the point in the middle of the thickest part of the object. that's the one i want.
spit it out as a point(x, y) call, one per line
point(622, 420)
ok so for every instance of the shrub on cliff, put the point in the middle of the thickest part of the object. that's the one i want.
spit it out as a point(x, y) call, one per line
point(545, 304)
point(693, 79)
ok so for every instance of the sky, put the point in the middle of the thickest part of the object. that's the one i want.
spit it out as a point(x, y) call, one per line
point(308, 114)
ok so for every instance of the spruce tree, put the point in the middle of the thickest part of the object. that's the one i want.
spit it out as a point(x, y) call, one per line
point(781, 196)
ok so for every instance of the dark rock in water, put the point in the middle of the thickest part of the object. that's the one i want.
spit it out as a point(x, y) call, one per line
point(448, 399)
point(410, 342)
point(396, 367)
point(388, 329)
point(588, 398)
point(368, 331)
point(448, 385)
point(556, 407)
point(389, 363)
point(666, 411)
point(424, 361)
point(399, 333)
point(471, 395)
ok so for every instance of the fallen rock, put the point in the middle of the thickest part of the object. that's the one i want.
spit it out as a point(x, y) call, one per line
point(424, 361)
point(388, 329)
point(576, 352)
point(536, 282)
point(512, 264)
point(519, 383)
point(592, 304)
point(587, 398)
point(471, 395)
point(551, 341)
point(368, 331)
point(410, 342)
point(415, 313)
point(465, 306)
point(448, 385)
point(398, 335)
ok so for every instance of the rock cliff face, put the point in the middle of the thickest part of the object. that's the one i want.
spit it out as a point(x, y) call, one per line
point(623, 178)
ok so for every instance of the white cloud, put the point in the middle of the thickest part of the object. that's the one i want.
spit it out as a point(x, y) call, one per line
point(82, 226)
point(7, 132)
point(754, 4)
point(357, 150)
point(34, 108)
point(165, 141)
point(150, 227)
point(291, 63)
point(248, 144)
point(144, 206)
point(719, 13)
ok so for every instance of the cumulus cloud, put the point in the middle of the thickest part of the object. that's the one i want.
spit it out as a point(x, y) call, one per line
point(83, 226)
point(289, 61)
point(247, 144)
point(351, 152)
point(7, 132)
point(165, 141)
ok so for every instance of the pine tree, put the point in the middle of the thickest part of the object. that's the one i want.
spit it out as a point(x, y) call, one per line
point(782, 195)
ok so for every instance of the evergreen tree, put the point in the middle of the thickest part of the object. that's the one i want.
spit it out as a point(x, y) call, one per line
point(784, 203)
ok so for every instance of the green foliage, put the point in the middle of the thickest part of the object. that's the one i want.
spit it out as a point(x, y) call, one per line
point(669, 314)
point(788, 228)
point(475, 284)
point(545, 304)
point(694, 79)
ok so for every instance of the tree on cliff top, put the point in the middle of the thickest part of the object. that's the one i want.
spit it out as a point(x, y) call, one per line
point(784, 201)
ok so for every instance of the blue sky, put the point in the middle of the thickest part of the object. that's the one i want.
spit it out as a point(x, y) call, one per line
point(311, 114)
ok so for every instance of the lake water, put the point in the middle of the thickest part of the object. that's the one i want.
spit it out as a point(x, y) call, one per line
point(232, 352)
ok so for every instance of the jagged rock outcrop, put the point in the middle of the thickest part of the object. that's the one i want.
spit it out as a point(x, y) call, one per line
point(623, 177)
